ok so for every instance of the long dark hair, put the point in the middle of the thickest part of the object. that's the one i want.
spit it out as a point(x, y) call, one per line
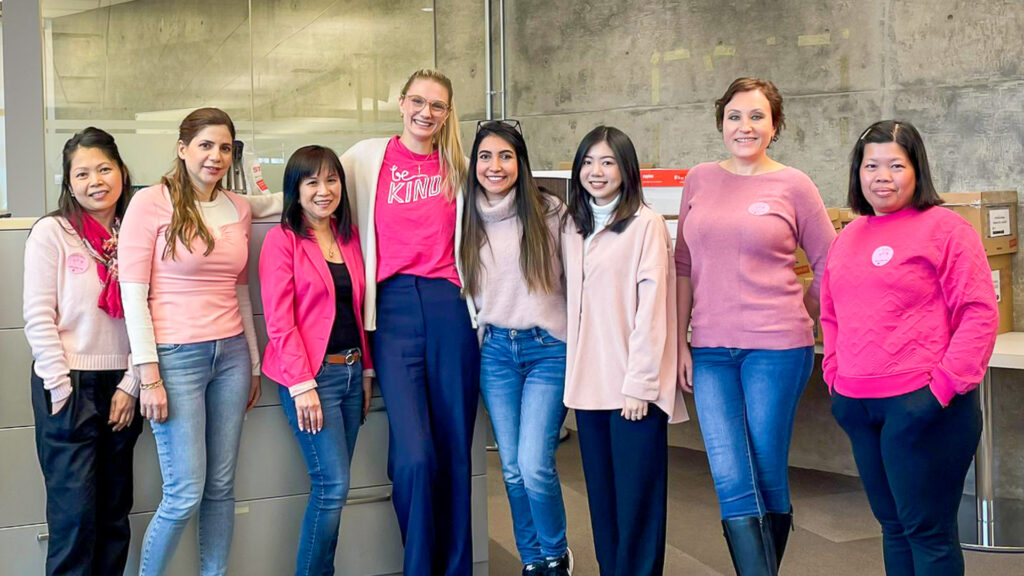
point(186, 222)
point(536, 246)
point(306, 162)
point(631, 194)
point(907, 136)
point(69, 208)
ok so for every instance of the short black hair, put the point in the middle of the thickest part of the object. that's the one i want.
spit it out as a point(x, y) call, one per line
point(303, 163)
point(631, 192)
point(907, 136)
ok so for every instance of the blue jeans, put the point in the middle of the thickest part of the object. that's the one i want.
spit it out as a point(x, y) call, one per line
point(522, 379)
point(207, 387)
point(328, 456)
point(746, 401)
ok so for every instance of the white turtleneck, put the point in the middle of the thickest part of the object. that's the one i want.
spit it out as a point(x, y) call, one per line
point(602, 215)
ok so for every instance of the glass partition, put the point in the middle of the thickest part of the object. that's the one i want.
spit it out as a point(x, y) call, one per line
point(289, 73)
point(3, 130)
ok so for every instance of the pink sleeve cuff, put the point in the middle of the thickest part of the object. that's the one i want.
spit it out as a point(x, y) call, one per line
point(640, 389)
point(130, 384)
point(301, 387)
point(943, 386)
point(60, 392)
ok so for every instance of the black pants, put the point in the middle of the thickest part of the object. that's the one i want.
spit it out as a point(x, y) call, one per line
point(88, 472)
point(912, 456)
point(625, 465)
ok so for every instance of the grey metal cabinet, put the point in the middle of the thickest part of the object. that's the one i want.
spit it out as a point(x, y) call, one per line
point(23, 550)
point(16, 366)
point(12, 254)
point(22, 493)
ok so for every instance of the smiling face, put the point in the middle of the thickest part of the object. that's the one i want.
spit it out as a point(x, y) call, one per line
point(600, 175)
point(96, 182)
point(497, 167)
point(207, 157)
point(887, 177)
point(424, 109)
point(747, 126)
point(319, 195)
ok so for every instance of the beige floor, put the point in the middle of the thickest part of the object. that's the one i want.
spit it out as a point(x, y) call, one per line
point(835, 532)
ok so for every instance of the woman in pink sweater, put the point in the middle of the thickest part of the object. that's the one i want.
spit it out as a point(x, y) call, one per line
point(909, 319)
point(512, 265)
point(621, 352)
point(83, 387)
point(740, 222)
point(183, 261)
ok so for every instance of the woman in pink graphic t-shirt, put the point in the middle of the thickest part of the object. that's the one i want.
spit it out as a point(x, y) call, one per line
point(407, 195)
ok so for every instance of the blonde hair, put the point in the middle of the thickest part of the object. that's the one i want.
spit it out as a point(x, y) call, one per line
point(186, 222)
point(447, 139)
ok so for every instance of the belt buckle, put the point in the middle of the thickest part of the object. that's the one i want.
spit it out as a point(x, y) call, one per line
point(351, 358)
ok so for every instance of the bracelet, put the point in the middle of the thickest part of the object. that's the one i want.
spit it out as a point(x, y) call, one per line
point(155, 384)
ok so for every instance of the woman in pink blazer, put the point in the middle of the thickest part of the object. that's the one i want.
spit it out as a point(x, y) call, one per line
point(311, 275)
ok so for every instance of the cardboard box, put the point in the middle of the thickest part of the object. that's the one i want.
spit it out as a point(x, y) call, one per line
point(805, 282)
point(845, 217)
point(1002, 281)
point(803, 265)
point(993, 215)
point(833, 215)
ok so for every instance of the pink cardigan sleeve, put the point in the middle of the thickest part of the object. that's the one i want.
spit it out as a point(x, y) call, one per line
point(43, 261)
point(966, 283)
point(277, 287)
point(650, 334)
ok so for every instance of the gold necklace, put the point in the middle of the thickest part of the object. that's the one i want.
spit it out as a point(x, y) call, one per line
point(334, 243)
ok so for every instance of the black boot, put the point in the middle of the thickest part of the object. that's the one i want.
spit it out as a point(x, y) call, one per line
point(751, 546)
point(782, 525)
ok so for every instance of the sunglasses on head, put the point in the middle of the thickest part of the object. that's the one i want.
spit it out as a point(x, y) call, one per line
point(511, 123)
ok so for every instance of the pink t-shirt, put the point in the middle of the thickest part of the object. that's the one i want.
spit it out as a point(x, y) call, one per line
point(415, 223)
point(192, 298)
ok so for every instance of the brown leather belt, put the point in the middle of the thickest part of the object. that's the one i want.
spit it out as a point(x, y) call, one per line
point(348, 357)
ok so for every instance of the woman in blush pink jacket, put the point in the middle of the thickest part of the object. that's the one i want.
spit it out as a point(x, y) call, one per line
point(311, 275)
point(620, 373)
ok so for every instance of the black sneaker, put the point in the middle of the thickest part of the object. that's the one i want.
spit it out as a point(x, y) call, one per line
point(533, 569)
point(561, 566)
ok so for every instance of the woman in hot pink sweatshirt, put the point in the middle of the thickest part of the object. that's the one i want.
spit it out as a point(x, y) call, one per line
point(909, 320)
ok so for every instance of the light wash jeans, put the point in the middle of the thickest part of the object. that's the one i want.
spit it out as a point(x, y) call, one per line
point(328, 456)
point(207, 387)
point(522, 379)
point(746, 401)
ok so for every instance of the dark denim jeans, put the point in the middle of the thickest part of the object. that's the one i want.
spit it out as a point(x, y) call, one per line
point(522, 379)
point(746, 401)
point(328, 457)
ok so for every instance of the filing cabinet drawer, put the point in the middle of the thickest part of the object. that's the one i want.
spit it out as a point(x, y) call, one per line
point(15, 378)
point(12, 254)
point(23, 550)
point(22, 492)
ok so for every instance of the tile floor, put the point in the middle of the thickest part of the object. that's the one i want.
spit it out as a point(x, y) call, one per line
point(836, 534)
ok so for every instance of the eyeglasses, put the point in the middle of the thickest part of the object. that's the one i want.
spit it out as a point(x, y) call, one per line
point(439, 107)
point(511, 123)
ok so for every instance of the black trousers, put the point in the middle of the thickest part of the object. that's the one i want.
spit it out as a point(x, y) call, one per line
point(625, 465)
point(88, 472)
point(912, 456)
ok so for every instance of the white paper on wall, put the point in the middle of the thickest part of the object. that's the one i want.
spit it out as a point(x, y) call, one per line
point(999, 222)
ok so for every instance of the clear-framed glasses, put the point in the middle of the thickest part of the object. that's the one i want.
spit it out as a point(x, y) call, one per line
point(439, 107)
point(510, 122)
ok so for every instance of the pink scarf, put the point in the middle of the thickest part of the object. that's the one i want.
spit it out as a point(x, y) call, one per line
point(102, 246)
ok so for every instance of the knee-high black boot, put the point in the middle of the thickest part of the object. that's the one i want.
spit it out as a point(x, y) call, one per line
point(781, 525)
point(751, 546)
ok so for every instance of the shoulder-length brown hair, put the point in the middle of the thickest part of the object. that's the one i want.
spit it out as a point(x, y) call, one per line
point(186, 222)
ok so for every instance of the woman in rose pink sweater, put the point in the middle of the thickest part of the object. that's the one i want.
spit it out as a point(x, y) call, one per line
point(909, 319)
point(83, 387)
point(620, 373)
point(740, 223)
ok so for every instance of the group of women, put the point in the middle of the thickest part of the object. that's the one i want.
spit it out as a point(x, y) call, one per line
point(463, 278)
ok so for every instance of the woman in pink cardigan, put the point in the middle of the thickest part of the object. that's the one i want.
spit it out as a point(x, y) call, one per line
point(311, 275)
point(83, 388)
point(909, 320)
point(621, 352)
